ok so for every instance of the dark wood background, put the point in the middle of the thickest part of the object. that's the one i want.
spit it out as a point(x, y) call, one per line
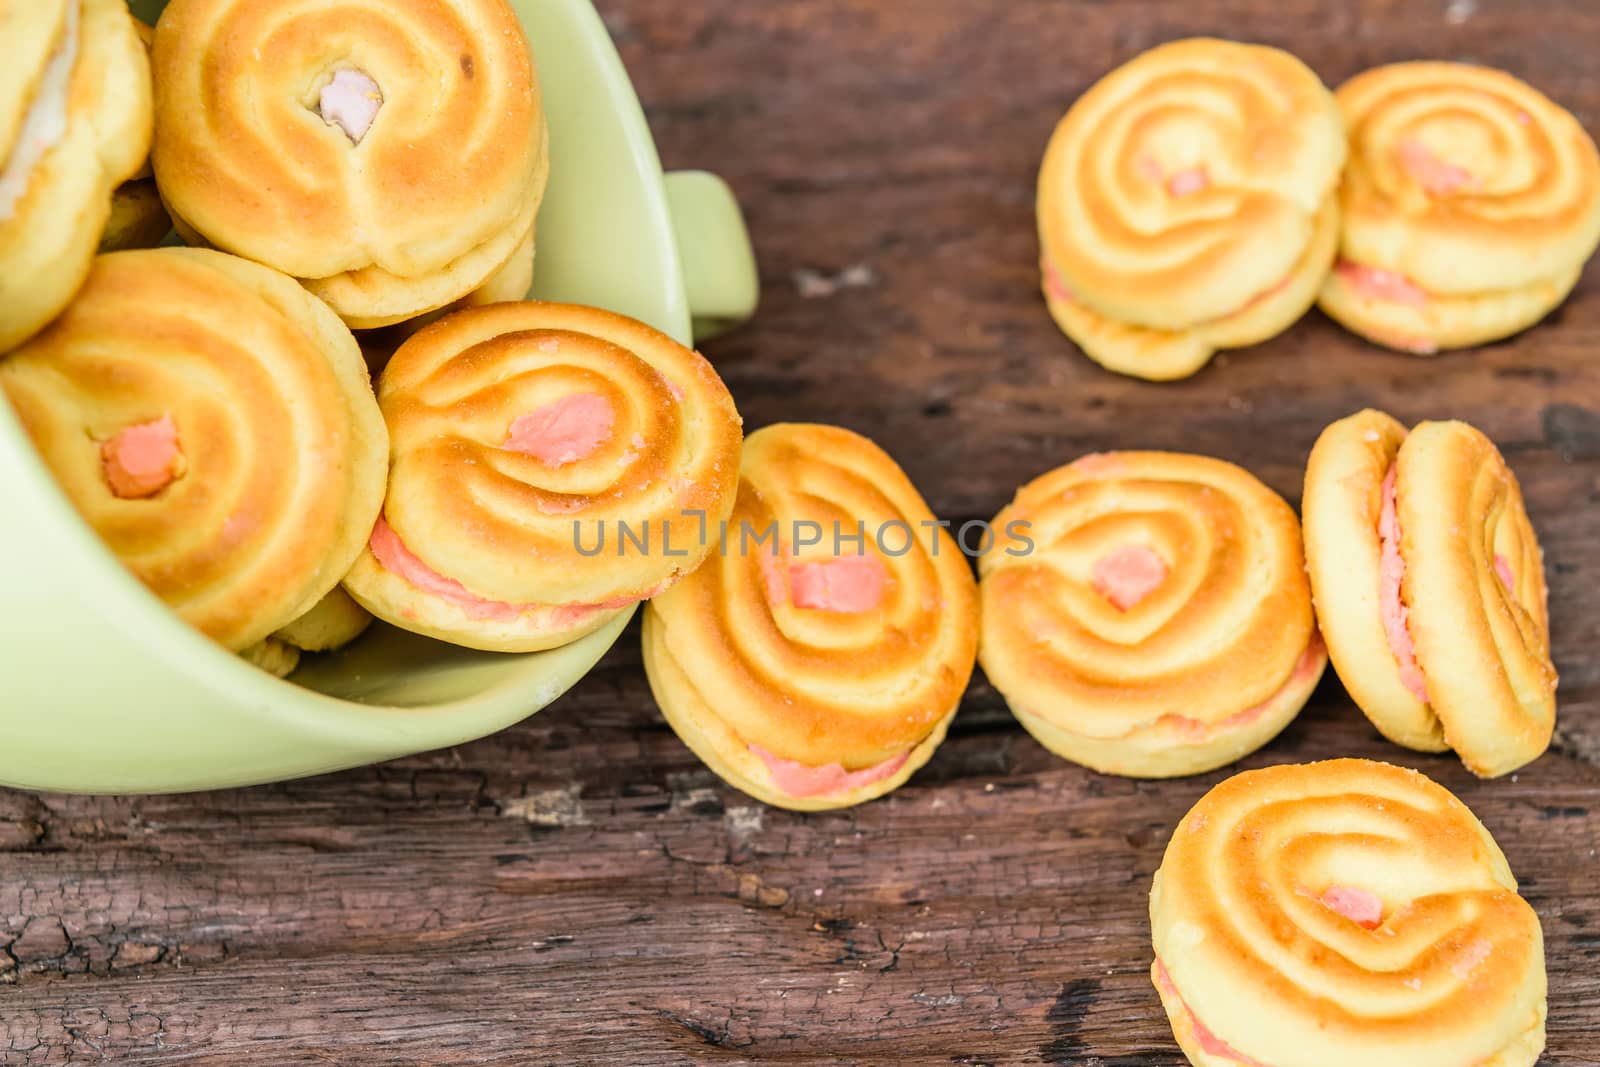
point(579, 890)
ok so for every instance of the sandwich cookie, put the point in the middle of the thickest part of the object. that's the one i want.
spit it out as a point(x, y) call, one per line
point(391, 154)
point(512, 281)
point(1147, 613)
point(336, 621)
point(1429, 586)
point(817, 659)
point(1186, 204)
point(273, 655)
point(1328, 914)
point(213, 422)
point(74, 123)
point(1470, 205)
point(552, 466)
point(138, 217)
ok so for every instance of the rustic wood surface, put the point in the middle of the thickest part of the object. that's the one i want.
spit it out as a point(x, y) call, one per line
point(579, 890)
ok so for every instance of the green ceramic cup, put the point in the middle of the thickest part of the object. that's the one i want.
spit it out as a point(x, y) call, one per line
point(102, 690)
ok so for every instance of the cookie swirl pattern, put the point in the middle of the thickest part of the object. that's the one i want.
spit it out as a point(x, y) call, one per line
point(1344, 912)
point(1184, 195)
point(391, 154)
point(552, 465)
point(1160, 623)
point(813, 673)
point(213, 422)
point(1470, 205)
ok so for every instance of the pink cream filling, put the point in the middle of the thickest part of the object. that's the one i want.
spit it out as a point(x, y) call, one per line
point(845, 584)
point(1056, 287)
point(350, 102)
point(1436, 176)
point(1196, 732)
point(1184, 182)
point(1392, 568)
point(564, 431)
point(1212, 1045)
point(804, 780)
point(1359, 906)
point(1502, 567)
point(1376, 283)
point(1178, 183)
point(142, 460)
point(393, 556)
point(849, 584)
point(1129, 574)
point(1209, 1043)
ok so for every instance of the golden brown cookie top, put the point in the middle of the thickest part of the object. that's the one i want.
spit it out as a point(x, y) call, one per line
point(1187, 182)
point(527, 436)
point(1155, 584)
point(817, 650)
point(212, 421)
point(1464, 179)
point(327, 136)
point(1347, 912)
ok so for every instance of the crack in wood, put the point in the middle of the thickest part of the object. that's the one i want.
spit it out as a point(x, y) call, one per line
point(1066, 1018)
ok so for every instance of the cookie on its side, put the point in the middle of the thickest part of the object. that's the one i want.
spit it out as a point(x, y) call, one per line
point(1429, 587)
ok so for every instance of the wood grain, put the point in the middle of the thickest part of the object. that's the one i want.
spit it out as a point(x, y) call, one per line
point(579, 890)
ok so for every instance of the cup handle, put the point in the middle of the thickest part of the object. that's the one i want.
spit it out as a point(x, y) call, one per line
point(719, 265)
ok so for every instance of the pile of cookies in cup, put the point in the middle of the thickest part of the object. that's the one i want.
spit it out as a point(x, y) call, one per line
point(210, 411)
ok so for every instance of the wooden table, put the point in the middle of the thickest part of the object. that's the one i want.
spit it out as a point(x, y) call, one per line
point(579, 890)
